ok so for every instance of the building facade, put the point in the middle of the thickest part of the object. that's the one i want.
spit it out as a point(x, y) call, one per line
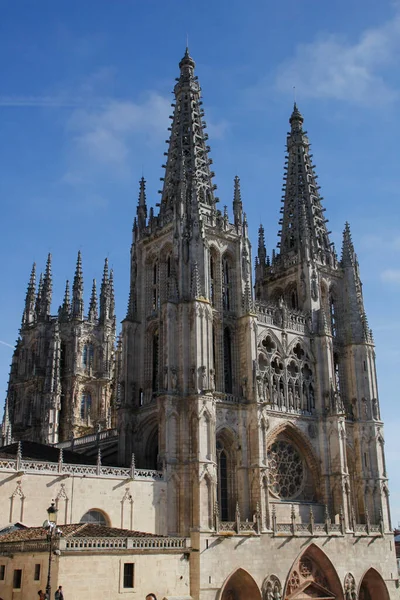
point(257, 400)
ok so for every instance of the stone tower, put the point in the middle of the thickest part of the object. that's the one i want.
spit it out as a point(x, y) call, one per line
point(222, 391)
point(62, 371)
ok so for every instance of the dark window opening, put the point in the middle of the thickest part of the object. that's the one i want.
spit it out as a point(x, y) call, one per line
point(2, 572)
point(129, 571)
point(223, 485)
point(155, 362)
point(86, 405)
point(227, 361)
point(37, 572)
point(17, 579)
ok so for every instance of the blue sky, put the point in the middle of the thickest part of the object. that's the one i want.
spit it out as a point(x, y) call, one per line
point(85, 96)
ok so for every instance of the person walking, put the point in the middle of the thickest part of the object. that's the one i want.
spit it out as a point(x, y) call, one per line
point(42, 595)
point(59, 595)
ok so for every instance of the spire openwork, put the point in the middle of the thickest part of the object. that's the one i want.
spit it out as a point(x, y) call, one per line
point(303, 223)
point(187, 170)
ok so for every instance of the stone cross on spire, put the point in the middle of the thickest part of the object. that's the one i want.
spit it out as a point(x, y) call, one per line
point(188, 150)
point(303, 223)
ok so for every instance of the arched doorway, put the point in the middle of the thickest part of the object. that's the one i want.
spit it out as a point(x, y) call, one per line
point(240, 586)
point(313, 576)
point(373, 587)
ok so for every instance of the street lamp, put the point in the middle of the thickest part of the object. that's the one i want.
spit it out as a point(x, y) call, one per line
point(52, 532)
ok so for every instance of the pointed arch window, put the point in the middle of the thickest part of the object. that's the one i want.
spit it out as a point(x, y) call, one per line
point(332, 310)
point(87, 355)
point(223, 499)
point(228, 361)
point(155, 361)
point(86, 405)
point(212, 280)
point(226, 285)
point(155, 287)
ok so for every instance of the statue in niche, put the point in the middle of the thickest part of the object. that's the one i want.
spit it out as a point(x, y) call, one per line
point(277, 592)
point(212, 380)
point(259, 387)
point(350, 588)
point(311, 399)
point(193, 374)
point(174, 377)
point(203, 378)
point(291, 404)
point(275, 394)
point(269, 592)
point(266, 389)
point(375, 409)
point(244, 387)
point(281, 399)
point(297, 402)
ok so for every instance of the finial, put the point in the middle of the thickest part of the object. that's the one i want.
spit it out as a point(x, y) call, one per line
point(296, 118)
point(77, 289)
point(187, 60)
point(93, 303)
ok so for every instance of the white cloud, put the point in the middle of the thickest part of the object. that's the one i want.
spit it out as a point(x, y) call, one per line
point(104, 135)
point(333, 67)
point(391, 276)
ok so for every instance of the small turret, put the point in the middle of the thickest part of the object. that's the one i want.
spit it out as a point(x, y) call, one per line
point(237, 203)
point(77, 290)
point(39, 295)
point(262, 251)
point(65, 311)
point(29, 315)
point(104, 294)
point(47, 290)
point(142, 206)
point(93, 315)
point(349, 257)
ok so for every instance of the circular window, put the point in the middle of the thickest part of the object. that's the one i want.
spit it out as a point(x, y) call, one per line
point(286, 470)
point(95, 517)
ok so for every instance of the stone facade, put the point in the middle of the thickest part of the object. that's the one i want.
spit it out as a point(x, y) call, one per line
point(260, 409)
point(63, 372)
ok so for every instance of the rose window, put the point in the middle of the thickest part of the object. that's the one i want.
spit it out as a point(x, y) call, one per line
point(286, 470)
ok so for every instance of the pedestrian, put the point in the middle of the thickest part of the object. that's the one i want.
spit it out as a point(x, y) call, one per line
point(59, 595)
point(151, 596)
point(41, 595)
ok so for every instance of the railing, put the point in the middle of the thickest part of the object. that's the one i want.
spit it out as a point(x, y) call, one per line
point(35, 466)
point(89, 438)
point(271, 314)
point(229, 398)
point(82, 544)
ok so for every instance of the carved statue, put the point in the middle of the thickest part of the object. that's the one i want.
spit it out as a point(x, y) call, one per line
point(259, 387)
point(203, 378)
point(275, 394)
point(277, 592)
point(174, 377)
point(281, 399)
point(212, 380)
point(193, 374)
point(291, 405)
point(244, 387)
point(375, 409)
point(297, 400)
point(266, 389)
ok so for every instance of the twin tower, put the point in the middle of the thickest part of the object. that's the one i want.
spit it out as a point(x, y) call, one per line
point(249, 395)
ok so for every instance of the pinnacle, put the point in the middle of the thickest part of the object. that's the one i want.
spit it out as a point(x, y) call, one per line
point(348, 254)
point(93, 303)
point(187, 60)
point(296, 115)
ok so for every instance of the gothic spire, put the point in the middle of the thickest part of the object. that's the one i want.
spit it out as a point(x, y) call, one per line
point(348, 255)
point(104, 294)
point(111, 294)
point(303, 215)
point(188, 150)
point(93, 304)
point(39, 295)
point(142, 206)
point(77, 290)
point(29, 312)
point(65, 311)
point(262, 251)
point(47, 290)
point(237, 203)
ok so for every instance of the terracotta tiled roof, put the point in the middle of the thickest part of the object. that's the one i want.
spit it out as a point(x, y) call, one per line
point(76, 530)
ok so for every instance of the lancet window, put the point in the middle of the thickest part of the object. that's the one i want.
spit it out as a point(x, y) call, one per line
point(212, 280)
point(226, 285)
point(228, 360)
point(87, 355)
point(226, 484)
point(155, 361)
point(86, 405)
point(155, 287)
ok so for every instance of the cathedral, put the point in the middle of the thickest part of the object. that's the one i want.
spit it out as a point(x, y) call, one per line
point(253, 395)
